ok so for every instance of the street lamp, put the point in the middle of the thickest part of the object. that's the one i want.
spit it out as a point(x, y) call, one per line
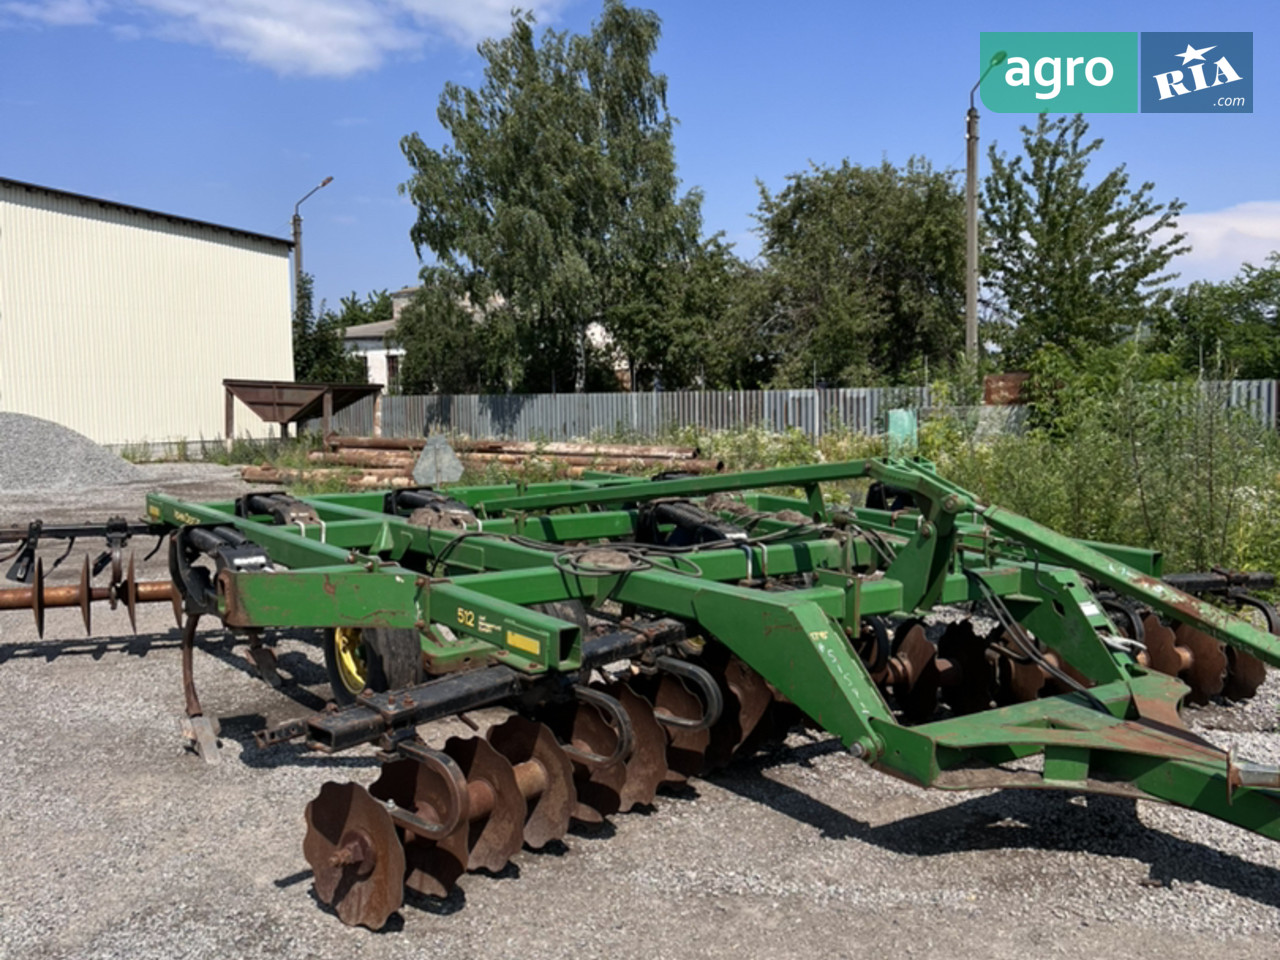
point(297, 236)
point(971, 218)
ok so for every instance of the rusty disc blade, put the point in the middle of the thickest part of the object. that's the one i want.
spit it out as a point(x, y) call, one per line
point(497, 807)
point(873, 647)
point(726, 732)
point(396, 782)
point(86, 596)
point(432, 867)
point(1017, 681)
point(1058, 686)
point(647, 766)
point(752, 693)
point(37, 597)
point(1162, 648)
point(917, 693)
point(969, 688)
point(131, 595)
point(599, 785)
point(1024, 680)
point(780, 715)
point(355, 855)
point(1208, 670)
point(549, 809)
point(1245, 674)
point(686, 748)
point(175, 596)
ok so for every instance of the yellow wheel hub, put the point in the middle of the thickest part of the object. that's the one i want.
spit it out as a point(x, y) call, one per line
point(348, 649)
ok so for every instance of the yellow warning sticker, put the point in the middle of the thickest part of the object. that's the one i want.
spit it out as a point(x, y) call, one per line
point(520, 642)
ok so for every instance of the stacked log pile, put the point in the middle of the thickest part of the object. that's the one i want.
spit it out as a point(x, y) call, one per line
point(370, 462)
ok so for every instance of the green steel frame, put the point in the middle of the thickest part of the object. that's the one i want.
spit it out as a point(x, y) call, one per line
point(363, 566)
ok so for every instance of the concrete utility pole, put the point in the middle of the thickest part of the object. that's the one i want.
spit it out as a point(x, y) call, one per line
point(971, 218)
point(297, 236)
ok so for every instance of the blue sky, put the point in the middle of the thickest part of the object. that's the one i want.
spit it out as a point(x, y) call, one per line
point(231, 110)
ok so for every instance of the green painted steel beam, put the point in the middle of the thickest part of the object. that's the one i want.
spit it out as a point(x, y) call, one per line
point(1110, 572)
point(688, 487)
point(284, 544)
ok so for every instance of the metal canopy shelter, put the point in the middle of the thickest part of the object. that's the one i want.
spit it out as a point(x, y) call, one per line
point(284, 402)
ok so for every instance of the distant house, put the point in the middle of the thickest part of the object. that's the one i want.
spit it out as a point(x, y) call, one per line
point(375, 343)
point(383, 357)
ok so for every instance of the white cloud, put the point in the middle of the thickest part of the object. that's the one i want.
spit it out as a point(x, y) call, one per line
point(57, 13)
point(471, 21)
point(325, 37)
point(1222, 240)
point(309, 37)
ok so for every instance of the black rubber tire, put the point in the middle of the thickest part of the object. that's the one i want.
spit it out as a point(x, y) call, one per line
point(570, 610)
point(393, 657)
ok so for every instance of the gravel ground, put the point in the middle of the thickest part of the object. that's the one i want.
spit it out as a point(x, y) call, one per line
point(39, 454)
point(118, 843)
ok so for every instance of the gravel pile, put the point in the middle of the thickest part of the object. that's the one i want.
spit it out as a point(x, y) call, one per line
point(39, 454)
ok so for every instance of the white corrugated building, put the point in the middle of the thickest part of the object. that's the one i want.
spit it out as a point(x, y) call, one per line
point(122, 323)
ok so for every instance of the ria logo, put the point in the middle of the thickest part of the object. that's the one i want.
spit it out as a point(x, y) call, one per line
point(1171, 85)
point(1197, 73)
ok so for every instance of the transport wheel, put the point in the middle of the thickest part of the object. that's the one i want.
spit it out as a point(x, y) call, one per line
point(377, 659)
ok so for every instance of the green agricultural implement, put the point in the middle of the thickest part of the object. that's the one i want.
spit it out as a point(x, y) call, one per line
point(640, 632)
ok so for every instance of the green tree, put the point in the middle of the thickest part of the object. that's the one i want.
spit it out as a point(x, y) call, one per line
point(374, 308)
point(1232, 326)
point(864, 277)
point(556, 201)
point(455, 348)
point(319, 353)
point(1070, 263)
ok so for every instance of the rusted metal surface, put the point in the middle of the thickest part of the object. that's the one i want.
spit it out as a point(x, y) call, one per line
point(1207, 671)
point(968, 683)
point(355, 856)
point(432, 788)
point(1245, 674)
point(597, 776)
point(282, 401)
point(189, 694)
point(544, 775)
point(646, 768)
point(686, 745)
point(497, 807)
point(913, 672)
point(1004, 389)
point(39, 597)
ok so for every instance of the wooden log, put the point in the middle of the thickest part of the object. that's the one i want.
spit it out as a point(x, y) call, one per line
point(366, 482)
point(371, 477)
point(365, 458)
point(335, 441)
point(596, 463)
point(256, 474)
point(641, 451)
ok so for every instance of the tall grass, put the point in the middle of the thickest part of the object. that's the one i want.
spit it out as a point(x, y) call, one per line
point(1165, 466)
point(1158, 465)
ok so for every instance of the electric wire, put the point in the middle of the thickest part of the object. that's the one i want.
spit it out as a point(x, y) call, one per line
point(1024, 643)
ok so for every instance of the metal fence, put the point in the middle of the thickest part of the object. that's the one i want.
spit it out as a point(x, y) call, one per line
point(565, 416)
point(1259, 397)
